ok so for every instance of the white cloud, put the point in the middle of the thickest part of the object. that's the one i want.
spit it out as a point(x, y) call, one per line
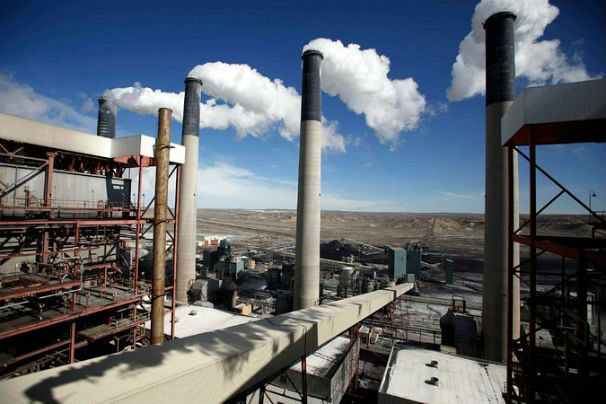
point(580, 152)
point(224, 185)
point(359, 77)
point(237, 187)
point(458, 195)
point(538, 61)
point(22, 100)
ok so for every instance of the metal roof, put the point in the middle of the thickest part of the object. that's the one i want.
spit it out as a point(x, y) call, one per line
point(27, 131)
point(408, 378)
point(562, 113)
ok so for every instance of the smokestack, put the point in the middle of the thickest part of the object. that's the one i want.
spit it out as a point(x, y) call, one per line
point(307, 267)
point(500, 90)
point(106, 123)
point(159, 252)
point(186, 252)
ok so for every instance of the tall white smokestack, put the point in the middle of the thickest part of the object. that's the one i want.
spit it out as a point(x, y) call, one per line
point(307, 267)
point(186, 251)
point(500, 90)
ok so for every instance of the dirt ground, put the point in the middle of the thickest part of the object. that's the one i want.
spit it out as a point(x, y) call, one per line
point(450, 233)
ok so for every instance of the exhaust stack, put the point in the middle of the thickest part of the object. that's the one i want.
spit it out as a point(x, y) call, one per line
point(186, 251)
point(307, 268)
point(500, 91)
point(106, 122)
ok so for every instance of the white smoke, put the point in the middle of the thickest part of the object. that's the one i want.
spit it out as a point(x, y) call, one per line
point(242, 99)
point(254, 105)
point(540, 62)
point(359, 77)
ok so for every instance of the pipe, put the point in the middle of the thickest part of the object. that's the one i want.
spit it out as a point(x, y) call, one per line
point(307, 266)
point(173, 302)
point(106, 122)
point(186, 254)
point(159, 249)
point(500, 90)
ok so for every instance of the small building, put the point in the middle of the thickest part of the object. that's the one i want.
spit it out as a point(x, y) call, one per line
point(413, 262)
point(193, 320)
point(415, 375)
point(327, 371)
point(233, 269)
point(396, 262)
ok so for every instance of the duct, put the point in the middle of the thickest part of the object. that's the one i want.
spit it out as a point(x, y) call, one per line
point(500, 88)
point(209, 367)
point(160, 208)
point(307, 267)
point(106, 123)
point(186, 253)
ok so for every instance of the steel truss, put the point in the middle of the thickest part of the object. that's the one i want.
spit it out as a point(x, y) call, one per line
point(572, 369)
point(76, 275)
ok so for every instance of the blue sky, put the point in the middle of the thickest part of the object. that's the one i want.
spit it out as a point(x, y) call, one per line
point(65, 54)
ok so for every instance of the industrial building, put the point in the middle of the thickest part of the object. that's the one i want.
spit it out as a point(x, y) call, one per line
point(72, 236)
point(284, 324)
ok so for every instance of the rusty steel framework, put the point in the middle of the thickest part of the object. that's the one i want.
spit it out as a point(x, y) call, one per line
point(77, 281)
point(571, 369)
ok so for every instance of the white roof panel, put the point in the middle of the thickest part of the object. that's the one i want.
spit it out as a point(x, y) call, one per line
point(562, 103)
point(25, 130)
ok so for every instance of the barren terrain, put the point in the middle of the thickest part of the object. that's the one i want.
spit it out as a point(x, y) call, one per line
point(450, 233)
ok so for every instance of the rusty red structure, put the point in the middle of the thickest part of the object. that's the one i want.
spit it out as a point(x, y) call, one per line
point(560, 354)
point(73, 283)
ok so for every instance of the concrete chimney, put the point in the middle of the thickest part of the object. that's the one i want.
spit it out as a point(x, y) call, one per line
point(500, 90)
point(307, 267)
point(186, 251)
point(106, 123)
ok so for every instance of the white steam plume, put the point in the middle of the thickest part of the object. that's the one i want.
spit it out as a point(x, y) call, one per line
point(538, 61)
point(250, 103)
point(359, 77)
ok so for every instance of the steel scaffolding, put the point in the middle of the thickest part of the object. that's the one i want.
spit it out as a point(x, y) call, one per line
point(77, 278)
point(571, 367)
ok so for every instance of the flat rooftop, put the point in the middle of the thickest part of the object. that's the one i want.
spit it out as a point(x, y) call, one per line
point(460, 379)
point(326, 359)
point(27, 131)
point(560, 113)
point(193, 320)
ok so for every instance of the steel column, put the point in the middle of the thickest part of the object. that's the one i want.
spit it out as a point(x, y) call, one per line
point(159, 250)
point(532, 270)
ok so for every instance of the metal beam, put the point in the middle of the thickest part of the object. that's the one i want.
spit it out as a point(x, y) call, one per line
point(211, 367)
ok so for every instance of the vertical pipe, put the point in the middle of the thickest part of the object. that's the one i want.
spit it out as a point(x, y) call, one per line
point(510, 277)
point(106, 122)
point(532, 271)
point(159, 249)
point(307, 267)
point(138, 226)
point(304, 379)
point(186, 256)
point(48, 182)
point(72, 342)
point(175, 255)
point(500, 88)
